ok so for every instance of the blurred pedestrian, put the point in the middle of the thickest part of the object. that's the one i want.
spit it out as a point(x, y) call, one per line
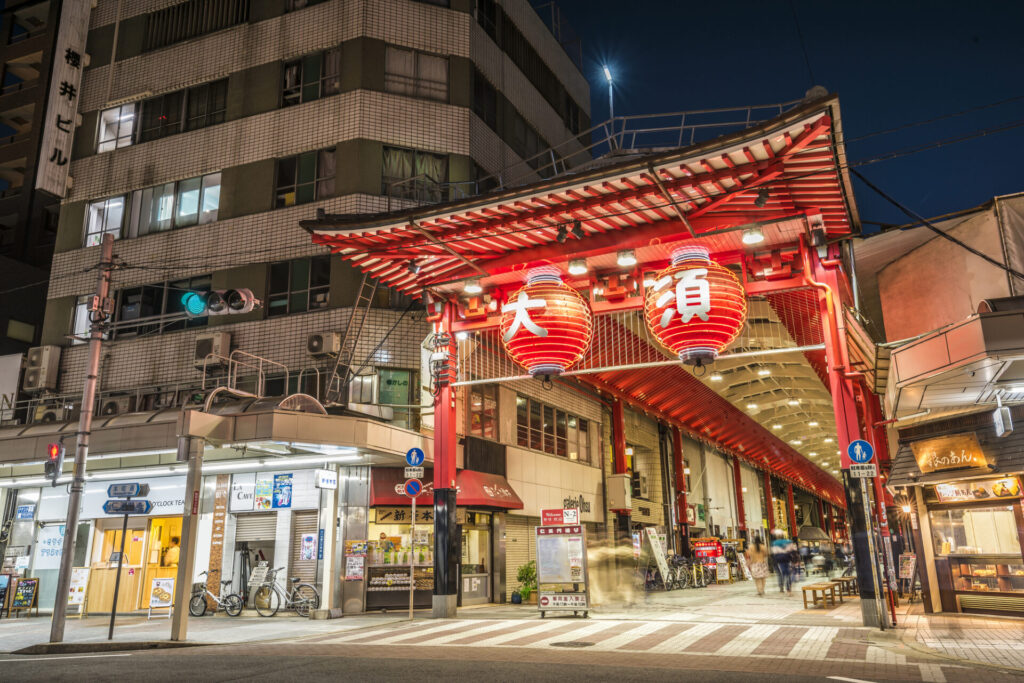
point(757, 559)
point(783, 551)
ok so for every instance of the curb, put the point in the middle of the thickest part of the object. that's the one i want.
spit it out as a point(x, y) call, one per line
point(106, 646)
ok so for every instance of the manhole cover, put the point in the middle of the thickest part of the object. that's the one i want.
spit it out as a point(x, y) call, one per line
point(572, 643)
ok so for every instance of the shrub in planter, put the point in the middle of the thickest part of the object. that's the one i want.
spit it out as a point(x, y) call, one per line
point(527, 577)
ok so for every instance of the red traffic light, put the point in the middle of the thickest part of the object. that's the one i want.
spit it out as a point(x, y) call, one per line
point(53, 451)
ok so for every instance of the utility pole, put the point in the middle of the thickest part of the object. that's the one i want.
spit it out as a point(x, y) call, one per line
point(100, 310)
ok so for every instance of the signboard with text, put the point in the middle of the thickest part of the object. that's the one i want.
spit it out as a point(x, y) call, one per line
point(959, 451)
point(867, 471)
point(562, 559)
point(979, 489)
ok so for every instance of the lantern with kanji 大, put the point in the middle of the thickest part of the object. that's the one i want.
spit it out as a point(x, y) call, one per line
point(546, 325)
point(695, 307)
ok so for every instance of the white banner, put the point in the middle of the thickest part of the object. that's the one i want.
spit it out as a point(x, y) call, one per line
point(166, 493)
point(49, 544)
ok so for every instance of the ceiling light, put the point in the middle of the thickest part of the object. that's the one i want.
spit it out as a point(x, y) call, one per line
point(762, 198)
point(776, 426)
point(462, 336)
point(716, 377)
point(577, 230)
point(562, 234)
point(626, 258)
point(813, 453)
point(686, 470)
point(744, 489)
point(796, 442)
point(812, 423)
point(751, 406)
point(838, 452)
point(906, 509)
point(764, 372)
point(577, 266)
point(793, 402)
point(753, 236)
point(829, 439)
point(472, 287)
point(629, 450)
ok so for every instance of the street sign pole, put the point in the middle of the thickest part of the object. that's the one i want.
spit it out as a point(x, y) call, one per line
point(117, 580)
point(871, 553)
point(412, 558)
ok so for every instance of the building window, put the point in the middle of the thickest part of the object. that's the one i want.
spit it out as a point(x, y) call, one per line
point(175, 205)
point(104, 217)
point(312, 77)
point(191, 109)
point(483, 410)
point(549, 429)
point(485, 100)
point(117, 127)
point(417, 74)
point(305, 177)
point(21, 331)
point(80, 325)
point(190, 19)
point(299, 285)
point(411, 174)
point(293, 5)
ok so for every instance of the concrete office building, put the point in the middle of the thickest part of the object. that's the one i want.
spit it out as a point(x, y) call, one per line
point(208, 130)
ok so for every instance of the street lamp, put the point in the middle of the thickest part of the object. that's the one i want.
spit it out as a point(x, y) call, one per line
point(611, 103)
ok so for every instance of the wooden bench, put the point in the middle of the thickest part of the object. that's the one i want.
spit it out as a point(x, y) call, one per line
point(847, 584)
point(827, 590)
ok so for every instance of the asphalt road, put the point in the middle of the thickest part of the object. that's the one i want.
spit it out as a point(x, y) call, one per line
point(191, 665)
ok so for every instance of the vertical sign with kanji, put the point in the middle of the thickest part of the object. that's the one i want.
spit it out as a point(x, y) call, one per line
point(69, 61)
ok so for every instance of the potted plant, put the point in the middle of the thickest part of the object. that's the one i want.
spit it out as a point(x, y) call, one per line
point(527, 577)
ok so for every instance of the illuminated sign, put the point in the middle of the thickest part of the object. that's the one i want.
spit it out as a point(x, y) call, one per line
point(982, 489)
point(948, 453)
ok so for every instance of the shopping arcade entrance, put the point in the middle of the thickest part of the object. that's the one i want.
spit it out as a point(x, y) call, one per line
point(770, 202)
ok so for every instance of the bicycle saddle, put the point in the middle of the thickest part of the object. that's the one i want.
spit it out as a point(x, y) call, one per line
point(226, 583)
point(296, 579)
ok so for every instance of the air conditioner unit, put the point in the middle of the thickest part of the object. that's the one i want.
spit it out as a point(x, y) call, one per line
point(117, 405)
point(48, 413)
point(323, 344)
point(215, 343)
point(41, 368)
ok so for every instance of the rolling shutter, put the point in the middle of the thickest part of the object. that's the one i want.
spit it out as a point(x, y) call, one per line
point(303, 523)
point(255, 527)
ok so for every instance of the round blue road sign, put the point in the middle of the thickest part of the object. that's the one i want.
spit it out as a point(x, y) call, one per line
point(860, 451)
point(414, 457)
point(413, 487)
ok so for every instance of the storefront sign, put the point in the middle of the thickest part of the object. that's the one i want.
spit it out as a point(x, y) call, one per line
point(948, 453)
point(161, 594)
point(282, 491)
point(26, 512)
point(396, 515)
point(578, 503)
point(79, 585)
point(69, 60)
point(49, 547)
point(243, 491)
point(982, 489)
point(167, 495)
point(326, 479)
point(555, 517)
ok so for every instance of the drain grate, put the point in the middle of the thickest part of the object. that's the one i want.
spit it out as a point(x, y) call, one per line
point(572, 643)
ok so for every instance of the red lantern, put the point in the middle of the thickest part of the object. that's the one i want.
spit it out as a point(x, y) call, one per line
point(546, 325)
point(696, 307)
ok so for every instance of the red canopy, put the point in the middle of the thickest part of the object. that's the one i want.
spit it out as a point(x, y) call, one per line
point(473, 489)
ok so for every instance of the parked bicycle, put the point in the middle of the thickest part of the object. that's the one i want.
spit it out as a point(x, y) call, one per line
point(303, 597)
point(231, 603)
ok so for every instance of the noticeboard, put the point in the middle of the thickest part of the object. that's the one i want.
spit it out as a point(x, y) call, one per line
point(562, 559)
point(26, 591)
point(722, 570)
point(908, 565)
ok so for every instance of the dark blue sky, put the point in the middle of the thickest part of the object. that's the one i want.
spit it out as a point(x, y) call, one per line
point(891, 63)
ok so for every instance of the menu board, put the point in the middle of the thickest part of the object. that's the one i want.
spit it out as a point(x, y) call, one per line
point(908, 565)
point(721, 570)
point(162, 593)
point(79, 584)
point(5, 583)
point(979, 489)
point(25, 592)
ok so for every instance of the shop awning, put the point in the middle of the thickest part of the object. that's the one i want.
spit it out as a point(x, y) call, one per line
point(473, 489)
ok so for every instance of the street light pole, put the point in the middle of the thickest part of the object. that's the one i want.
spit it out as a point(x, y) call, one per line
point(611, 102)
point(99, 310)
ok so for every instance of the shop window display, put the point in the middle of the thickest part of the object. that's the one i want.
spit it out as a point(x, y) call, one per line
point(982, 547)
point(389, 551)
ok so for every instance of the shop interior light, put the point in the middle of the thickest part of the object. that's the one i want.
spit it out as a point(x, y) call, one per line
point(577, 266)
point(472, 287)
point(753, 236)
point(626, 258)
point(744, 489)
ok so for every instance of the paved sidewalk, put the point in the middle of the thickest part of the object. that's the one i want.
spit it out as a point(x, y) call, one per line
point(991, 640)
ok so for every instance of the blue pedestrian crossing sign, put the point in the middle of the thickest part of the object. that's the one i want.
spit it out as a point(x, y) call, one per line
point(860, 451)
point(413, 487)
point(414, 457)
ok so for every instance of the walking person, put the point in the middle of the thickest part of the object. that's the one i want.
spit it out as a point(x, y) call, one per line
point(782, 554)
point(757, 559)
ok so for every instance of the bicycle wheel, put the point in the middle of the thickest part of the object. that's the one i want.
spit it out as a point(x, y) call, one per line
point(233, 604)
point(197, 605)
point(306, 599)
point(266, 601)
point(683, 576)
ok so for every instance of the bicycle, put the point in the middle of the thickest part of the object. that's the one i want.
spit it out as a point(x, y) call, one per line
point(303, 598)
point(231, 603)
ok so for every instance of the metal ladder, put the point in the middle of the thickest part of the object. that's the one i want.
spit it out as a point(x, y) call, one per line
point(341, 373)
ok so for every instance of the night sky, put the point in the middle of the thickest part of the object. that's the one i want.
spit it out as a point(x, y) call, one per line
point(891, 63)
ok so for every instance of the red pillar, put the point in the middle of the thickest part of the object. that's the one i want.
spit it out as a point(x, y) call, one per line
point(769, 500)
point(446, 556)
point(680, 466)
point(444, 411)
point(792, 511)
point(738, 483)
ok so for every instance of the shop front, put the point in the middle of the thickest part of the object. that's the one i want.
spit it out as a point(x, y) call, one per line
point(962, 492)
point(391, 547)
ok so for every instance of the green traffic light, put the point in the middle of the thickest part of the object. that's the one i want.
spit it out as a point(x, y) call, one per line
point(194, 303)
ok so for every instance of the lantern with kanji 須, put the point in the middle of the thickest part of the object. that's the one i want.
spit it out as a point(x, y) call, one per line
point(695, 307)
point(546, 325)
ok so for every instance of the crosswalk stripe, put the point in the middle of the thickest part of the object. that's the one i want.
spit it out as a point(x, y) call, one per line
point(493, 629)
point(382, 636)
point(460, 627)
point(748, 641)
point(655, 637)
point(677, 643)
point(519, 630)
point(814, 644)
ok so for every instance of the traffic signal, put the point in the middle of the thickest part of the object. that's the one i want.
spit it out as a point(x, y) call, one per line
point(54, 462)
point(219, 302)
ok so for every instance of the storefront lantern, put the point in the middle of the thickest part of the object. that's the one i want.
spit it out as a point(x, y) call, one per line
point(695, 307)
point(546, 326)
